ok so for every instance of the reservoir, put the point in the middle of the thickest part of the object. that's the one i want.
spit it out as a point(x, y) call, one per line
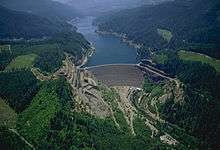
point(109, 49)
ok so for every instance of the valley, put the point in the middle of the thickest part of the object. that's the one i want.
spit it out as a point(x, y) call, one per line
point(99, 75)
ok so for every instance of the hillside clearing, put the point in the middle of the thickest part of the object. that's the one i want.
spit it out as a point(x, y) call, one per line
point(192, 56)
point(23, 61)
point(7, 115)
point(165, 34)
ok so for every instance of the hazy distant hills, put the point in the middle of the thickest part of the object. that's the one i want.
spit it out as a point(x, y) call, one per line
point(94, 7)
point(44, 8)
point(33, 18)
point(14, 24)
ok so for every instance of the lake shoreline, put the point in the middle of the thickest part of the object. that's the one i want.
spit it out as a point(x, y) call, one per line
point(105, 49)
point(85, 58)
point(123, 38)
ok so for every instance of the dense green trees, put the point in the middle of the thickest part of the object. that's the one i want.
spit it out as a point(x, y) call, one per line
point(50, 57)
point(53, 10)
point(191, 72)
point(49, 60)
point(72, 43)
point(50, 123)
point(45, 109)
point(50, 52)
point(33, 122)
point(9, 140)
point(79, 131)
point(197, 116)
point(18, 88)
point(201, 105)
point(23, 25)
point(193, 24)
point(5, 58)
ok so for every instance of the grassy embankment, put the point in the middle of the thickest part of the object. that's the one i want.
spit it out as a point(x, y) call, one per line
point(23, 61)
point(191, 56)
point(7, 115)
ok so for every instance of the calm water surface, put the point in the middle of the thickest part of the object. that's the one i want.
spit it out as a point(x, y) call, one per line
point(109, 49)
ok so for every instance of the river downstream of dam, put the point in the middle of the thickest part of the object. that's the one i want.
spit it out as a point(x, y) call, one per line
point(109, 49)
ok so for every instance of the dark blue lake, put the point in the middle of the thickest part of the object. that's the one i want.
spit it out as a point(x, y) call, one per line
point(109, 49)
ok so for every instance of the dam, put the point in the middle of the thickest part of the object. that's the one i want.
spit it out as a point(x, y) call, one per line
point(118, 74)
point(126, 74)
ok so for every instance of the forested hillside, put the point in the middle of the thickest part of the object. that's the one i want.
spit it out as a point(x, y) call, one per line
point(197, 114)
point(49, 101)
point(45, 8)
point(15, 25)
point(194, 25)
point(162, 31)
point(27, 67)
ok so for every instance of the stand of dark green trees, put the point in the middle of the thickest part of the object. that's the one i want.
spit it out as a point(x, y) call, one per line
point(194, 25)
point(198, 115)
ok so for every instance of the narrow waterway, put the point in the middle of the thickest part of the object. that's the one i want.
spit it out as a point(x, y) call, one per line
point(109, 49)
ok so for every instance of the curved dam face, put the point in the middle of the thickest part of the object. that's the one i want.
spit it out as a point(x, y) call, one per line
point(118, 75)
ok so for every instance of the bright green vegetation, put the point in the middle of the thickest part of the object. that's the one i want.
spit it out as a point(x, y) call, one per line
point(191, 56)
point(111, 96)
point(157, 91)
point(22, 62)
point(84, 131)
point(46, 55)
point(18, 88)
point(49, 122)
point(150, 102)
point(165, 34)
point(140, 128)
point(143, 130)
point(32, 48)
point(7, 115)
point(160, 58)
point(33, 123)
point(154, 89)
point(45, 110)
